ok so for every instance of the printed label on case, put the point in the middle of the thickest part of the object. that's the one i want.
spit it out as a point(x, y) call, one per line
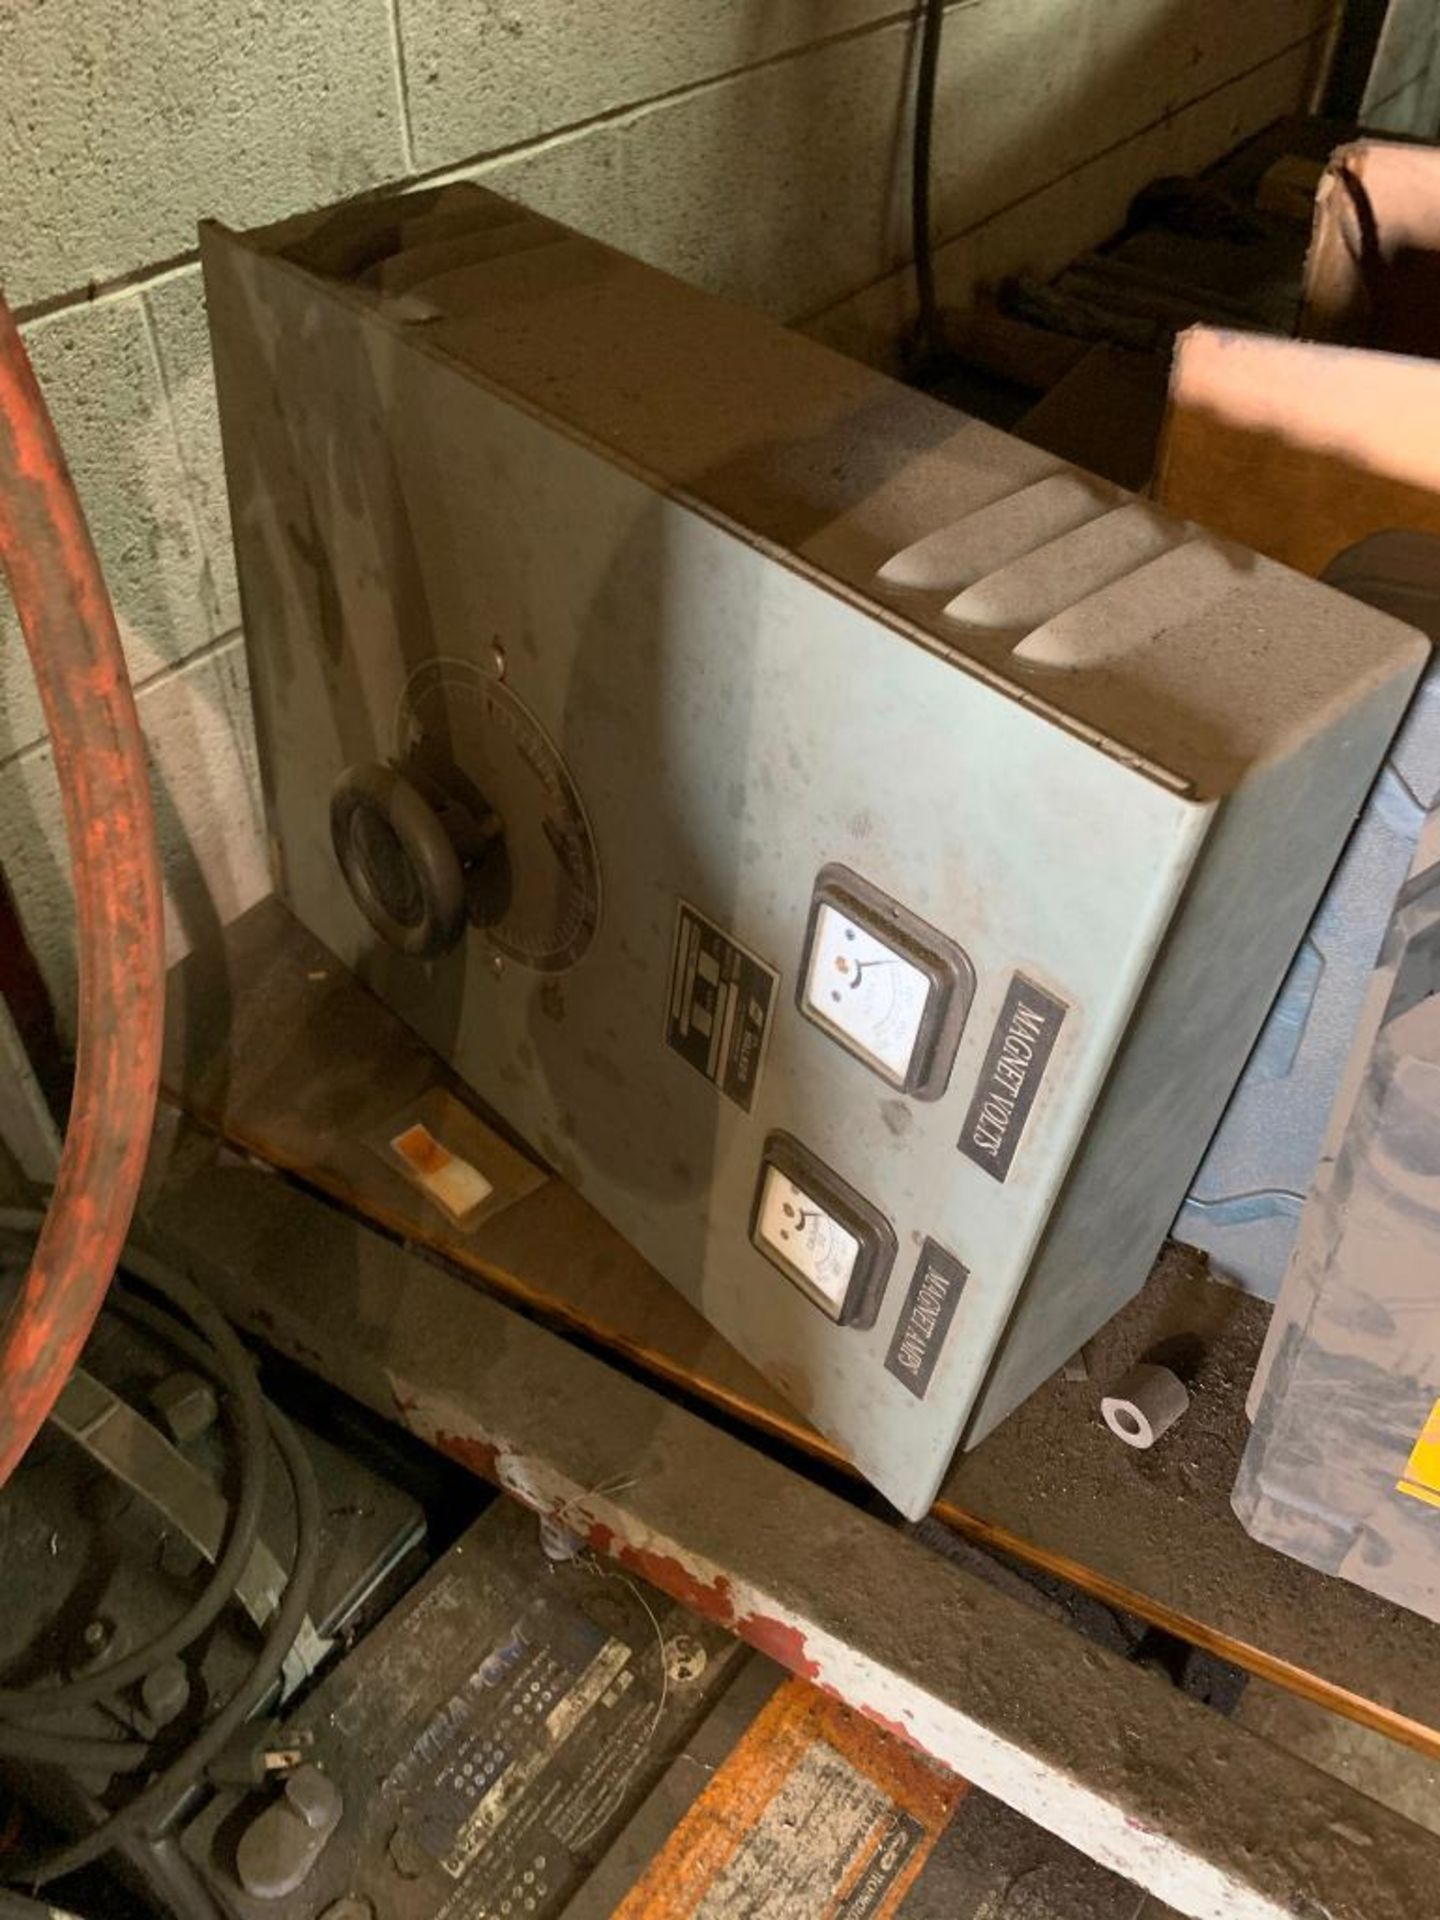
point(925, 1318)
point(721, 999)
point(1019, 1052)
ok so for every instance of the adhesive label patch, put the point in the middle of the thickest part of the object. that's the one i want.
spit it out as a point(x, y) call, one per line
point(925, 1318)
point(1015, 1063)
point(1422, 1470)
point(721, 1001)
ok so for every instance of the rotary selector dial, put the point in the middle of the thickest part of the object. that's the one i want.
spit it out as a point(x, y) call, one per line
point(537, 893)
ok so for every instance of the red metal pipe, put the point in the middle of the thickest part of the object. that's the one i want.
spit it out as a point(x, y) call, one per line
point(74, 647)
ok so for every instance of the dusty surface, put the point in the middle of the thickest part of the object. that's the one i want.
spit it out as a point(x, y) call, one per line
point(1159, 1524)
point(1380, 1768)
point(992, 1865)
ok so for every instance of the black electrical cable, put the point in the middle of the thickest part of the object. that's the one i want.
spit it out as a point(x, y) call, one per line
point(146, 1811)
point(71, 1750)
point(927, 68)
point(226, 1361)
point(14, 1906)
point(233, 1367)
point(163, 1326)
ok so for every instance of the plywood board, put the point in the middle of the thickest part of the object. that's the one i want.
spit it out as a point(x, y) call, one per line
point(1104, 415)
point(1296, 448)
point(1288, 186)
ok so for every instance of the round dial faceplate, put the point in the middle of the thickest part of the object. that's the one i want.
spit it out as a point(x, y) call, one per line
point(807, 1238)
point(866, 991)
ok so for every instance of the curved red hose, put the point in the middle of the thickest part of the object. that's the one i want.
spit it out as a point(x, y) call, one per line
point(69, 626)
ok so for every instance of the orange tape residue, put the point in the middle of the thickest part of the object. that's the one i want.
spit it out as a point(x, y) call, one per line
point(421, 1151)
point(452, 1183)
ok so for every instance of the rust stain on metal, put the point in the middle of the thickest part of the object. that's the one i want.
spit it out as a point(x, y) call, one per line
point(783, 1643)
point(804, 1814)
point(481, 1457)
point(713, 1598)
point(897, 1728)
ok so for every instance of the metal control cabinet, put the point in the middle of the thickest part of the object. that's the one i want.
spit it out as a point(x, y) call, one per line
point(855, 849)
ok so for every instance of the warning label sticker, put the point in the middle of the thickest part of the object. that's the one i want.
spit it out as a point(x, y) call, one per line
point(1422, 1470)
point(815, 1815)
point(721, 1001)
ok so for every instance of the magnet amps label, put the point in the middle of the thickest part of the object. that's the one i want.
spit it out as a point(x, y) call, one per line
point(924, 1321)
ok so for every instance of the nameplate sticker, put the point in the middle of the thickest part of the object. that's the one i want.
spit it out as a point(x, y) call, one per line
point(930, 1303)
point(722, 998)
point(1015, 1063)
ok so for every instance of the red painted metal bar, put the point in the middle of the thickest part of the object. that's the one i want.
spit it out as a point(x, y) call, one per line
point(74, 647)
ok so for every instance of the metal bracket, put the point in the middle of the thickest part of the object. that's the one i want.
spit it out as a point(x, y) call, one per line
point(135, 1452)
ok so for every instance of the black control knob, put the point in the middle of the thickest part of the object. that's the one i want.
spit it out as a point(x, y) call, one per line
point(404, 858)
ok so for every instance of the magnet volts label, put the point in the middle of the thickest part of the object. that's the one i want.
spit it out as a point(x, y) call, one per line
point(925, 1318)
point(721, 1001)
point(1015, 1063)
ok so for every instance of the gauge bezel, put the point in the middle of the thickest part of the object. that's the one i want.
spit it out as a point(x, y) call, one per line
point(944, 963)
point(857, 1215)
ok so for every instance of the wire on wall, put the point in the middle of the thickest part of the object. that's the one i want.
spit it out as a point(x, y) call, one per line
point(932, 20)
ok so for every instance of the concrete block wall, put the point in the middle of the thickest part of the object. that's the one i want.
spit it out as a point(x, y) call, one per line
point(759, 147)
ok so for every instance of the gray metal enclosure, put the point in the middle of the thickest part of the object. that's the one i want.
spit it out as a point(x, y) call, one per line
point(880, 844)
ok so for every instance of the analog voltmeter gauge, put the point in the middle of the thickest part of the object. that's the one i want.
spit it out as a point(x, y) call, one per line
point(867, 991)
point(886, 986)
point(821, 1234)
